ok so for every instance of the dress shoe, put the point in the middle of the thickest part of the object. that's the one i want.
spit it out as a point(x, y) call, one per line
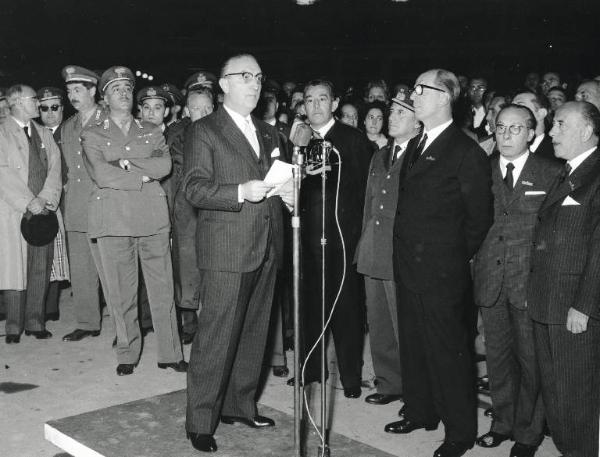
point(40, 335)
point(352, 392)
point(79, 334)
point(13, 339)
point(491, 439)
point(452, 449)
point(281, 371)
point(201, 442)
point(2, 317)
point(123, 369)
point(254, 422)
point(187, 338)
point(180, 367)
point(407, 426)
point(145, 331)
point(381, 399)
point(489, 412)
point(522, 450)
point(292, 382)
point(52, 317)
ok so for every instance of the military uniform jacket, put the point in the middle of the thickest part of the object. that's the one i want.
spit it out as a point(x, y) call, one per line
point(79, 186)
point(565, 262)
point(121, 204)
point(374, 251)
point(503, 259)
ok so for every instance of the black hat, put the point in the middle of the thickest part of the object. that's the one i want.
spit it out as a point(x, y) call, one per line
point(39, 229)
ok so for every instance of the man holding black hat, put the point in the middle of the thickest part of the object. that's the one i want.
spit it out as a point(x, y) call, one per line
point(374, 251)
point(81, 92)
point(128, 216)
point(30, 184)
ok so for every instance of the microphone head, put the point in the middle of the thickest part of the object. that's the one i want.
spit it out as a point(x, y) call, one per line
point(302, 135)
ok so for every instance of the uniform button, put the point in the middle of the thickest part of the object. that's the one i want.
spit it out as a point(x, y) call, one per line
point(19, 167)
point(505, 213)
point(78, 180)
point(266, 218)
point(147, 141)
point(498, 262)
point(500, 238)
point(388, 177)
point(380, 206)
point(79, 152)
point(97, 198)
point(384, 191)
point(78, 166)
point(108, 143)
point(376, 222)
point(127, 148)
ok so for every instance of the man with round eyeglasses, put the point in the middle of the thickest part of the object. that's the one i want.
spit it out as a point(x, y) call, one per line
point(521, 181)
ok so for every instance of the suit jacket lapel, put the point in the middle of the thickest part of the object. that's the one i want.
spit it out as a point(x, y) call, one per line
point(528, 175)
point(499, 189)
point(237, 138)
point(433, 151)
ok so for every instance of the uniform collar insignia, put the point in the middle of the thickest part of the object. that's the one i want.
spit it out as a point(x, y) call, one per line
point(139, 124)
point(119, 71)
point(151, 92)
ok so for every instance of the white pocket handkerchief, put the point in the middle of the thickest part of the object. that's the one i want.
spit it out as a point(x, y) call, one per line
point(568, 201)
point(535, 192)
point(275, 153)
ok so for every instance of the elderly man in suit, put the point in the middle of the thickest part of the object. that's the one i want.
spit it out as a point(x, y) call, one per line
point(563, 295)
point(374, 251)
point(538, 105)
point(128, 216)
point(30, 182)
point(501, 269)
point(239, 244)
point(445, 208)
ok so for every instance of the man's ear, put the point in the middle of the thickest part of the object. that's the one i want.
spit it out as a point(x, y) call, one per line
point(334, 104)
point(167, 111)
point(224, 84)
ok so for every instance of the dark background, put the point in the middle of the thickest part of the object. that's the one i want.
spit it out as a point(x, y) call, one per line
point(346, 40)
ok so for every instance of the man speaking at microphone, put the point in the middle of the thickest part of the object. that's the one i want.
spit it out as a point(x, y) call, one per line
point(239, 241)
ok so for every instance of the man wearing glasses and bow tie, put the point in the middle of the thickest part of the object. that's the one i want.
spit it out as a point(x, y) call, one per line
point(445, 208)
point(239, 242)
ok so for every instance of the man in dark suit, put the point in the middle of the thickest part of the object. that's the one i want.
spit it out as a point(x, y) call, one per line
point(564, 285)
point(374, 251)
point(239, 243)
point(501, 268)
point(347, 323)
point(541, 143)
point(445, 208)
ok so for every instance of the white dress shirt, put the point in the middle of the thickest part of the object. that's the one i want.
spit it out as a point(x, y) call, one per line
point(435, 132)
point(519, 163)
point(579, 159)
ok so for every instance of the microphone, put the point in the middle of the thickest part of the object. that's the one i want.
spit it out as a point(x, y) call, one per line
point(317, 158)
point(301, 135)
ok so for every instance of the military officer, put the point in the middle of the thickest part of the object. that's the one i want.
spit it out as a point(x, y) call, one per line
point(128, 216)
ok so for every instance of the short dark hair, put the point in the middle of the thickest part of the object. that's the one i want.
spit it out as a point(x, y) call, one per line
point(225, 66)
point(377, 83)
point(591, 115)
point(530, 121)
point(377, 104)
point(320, 82)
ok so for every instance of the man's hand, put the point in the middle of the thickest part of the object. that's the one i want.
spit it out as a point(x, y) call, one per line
point(286, 192)
point(576, 321)
point(254, 191)
point(36, 206)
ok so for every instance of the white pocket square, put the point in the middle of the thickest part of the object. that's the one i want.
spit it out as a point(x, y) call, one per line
point(275, 153)
point(568, 201)
point(535, 192)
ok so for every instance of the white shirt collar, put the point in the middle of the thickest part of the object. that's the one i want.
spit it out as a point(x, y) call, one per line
point(579, 159)
point(239, 120)
point(519, 163)
point(435, 132)
point(22, 124)
point(536, 142)
point(326, 128)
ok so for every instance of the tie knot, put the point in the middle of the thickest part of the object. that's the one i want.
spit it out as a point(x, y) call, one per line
point(568, 169)
point(397, 149)
point(510, 166)
point(26, 130)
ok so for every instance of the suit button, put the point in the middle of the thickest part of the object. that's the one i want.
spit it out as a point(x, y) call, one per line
point(500, 238)
point(79, 152)
point(388, 177)
point(498, 262)
point(384, 191)
point(97, 198)
point(376, 222)
point(78, 166)
point(505, 213)
point(266, 218)
point(380, 206)
point(531, 270)
point(78, 180)
point(127, 148)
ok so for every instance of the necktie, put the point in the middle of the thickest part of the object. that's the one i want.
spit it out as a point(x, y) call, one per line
point(26, 130)
point(508, 179)
point(397, 152)
point(250, 134)
point(418, 151)
point(566, 171)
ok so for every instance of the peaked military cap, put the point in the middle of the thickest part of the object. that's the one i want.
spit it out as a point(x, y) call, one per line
point(118, 73)
point(153, 92)
point(174, 93)
point(75, 74)
point(201, 78)
point(404, 102)
point(48, 93)
point(2, 93)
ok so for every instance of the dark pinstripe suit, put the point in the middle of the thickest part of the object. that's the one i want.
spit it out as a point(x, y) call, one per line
point(238, 246)
point(566, 274)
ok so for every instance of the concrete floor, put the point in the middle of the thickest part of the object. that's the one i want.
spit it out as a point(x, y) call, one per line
point(42, 380)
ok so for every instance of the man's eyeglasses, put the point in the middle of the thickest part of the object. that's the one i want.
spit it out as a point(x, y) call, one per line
point(45, 108)
point(478, 88)
point(513, 129)
point(248, 77)
point(418, 89)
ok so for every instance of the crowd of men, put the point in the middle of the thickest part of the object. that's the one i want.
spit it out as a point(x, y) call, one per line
point(479, 204)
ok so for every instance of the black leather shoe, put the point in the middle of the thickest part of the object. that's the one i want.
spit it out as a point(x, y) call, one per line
point(491, 439)
point(79, 334)
point(204, 443)
point(381, 399)
point(13, 339)
point(180, 367)
point(52, 317)
point(187, 338)
point(407, 426)
point(522, 450)
point(123, 369)
point(452, 449)
point(281, 371)
point(489, 412)
point(254, 422)
point(352, 392)
point(145, 331)
point(402, 411)
point(40, 335)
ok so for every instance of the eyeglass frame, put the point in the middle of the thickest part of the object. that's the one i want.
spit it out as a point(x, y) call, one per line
point(420, 87)
point(54, 108)
point(259, 77)
point(501, 129)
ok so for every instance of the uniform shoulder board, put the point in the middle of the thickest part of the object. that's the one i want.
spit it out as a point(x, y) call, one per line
point(106, 124)
point(139, 124)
